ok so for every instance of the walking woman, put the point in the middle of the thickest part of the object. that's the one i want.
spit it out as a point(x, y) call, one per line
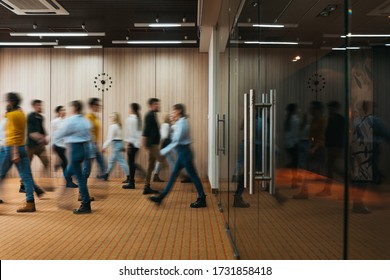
point(77, 133)
point(58, 145)
point(115, 139)
point(181, 141)
point(133, 139)
point(14, 150)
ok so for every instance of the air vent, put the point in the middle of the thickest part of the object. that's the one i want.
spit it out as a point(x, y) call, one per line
point(34, 7)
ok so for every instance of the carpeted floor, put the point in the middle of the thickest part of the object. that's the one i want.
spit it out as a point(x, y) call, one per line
point(124, 225)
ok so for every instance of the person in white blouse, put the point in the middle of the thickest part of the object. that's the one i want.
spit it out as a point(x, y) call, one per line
point(133, 138)
point(114, 138)
point(58, 144)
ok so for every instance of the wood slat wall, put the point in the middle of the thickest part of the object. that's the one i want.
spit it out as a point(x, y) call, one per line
point(59, 76)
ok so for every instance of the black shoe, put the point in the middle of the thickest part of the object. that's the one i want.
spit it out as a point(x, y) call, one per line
point(38, 191)
point(199, 203)
point(157, 179)
point(149, 190)
point(129, 186)
point(105, 177)
point(22, 189)
point(127, 180)
point(1, 201)
point(71, 185)
point(85, 208)
point(186, 179)
point(157, 199)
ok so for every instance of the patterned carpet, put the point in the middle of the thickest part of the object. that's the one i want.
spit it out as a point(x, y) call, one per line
point(124, 225)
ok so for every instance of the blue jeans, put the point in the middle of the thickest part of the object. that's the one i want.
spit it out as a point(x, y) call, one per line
point(184, 160)
point(117, 156)
point(78, 156)
point(23, 167)
point(93, 154)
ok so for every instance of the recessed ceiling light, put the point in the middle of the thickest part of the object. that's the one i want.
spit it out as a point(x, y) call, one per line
point(365, 35)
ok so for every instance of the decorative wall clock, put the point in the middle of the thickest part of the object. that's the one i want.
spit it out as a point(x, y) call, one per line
point(103, 82)
point(316, 83)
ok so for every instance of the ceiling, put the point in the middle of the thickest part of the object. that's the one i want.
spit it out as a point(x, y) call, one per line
point(114, 17)
point(368, 17)
point(117, 17)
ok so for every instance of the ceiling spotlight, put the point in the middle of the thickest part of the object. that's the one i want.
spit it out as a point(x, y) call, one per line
point(157, 20)
point(35, 26)
point(83, 26)
point(254, 3)
point(185, 37)
point(98, 40)
point(184, 19)
point(327, 10)
point(249, 19)
point(127, 38)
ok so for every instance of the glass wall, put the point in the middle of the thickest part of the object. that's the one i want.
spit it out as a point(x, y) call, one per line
point(302, 172)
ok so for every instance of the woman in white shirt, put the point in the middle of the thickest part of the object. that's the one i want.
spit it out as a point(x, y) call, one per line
point(115, 139)
point(133, 139)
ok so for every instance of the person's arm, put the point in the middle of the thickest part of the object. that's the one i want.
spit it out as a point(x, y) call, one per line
point(110, 136)
point(177, 135)
point(147, 129)
point(32, 129)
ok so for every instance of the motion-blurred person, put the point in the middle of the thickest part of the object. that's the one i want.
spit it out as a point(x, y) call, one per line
point(115, 139)
point(3, 122)
point(76, 131)
point(133, 138)
point(317, 146)
point(369, 132)
point(37, 139)
point(334, 143)
point(59, 146)
point(181, 142)
point(291, 139)
point(166, 131)
point(14, 151)
point(95, 150)
point(151, 141)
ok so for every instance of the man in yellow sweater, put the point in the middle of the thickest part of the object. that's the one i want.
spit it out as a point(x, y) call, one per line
point(95, 150)
point(14, 151)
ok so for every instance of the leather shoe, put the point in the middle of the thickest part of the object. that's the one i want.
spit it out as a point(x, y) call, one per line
point(129, 186)
point(85, 208)
point(199, 203)
point(157, 199)
point(149, 190)
point(71, 185)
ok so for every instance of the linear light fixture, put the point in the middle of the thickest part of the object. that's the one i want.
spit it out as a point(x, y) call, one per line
point(58, 34)
point(155, 42)
point(79, 47)
point(33, 44)
point(347, 48)
point(159, 25)
point(270, 43)
point(387, 45)
point(349, 35)
point(267, 25)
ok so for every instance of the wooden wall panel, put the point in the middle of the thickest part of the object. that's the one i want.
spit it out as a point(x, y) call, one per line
point(26, 71)
point(59, 76)
point(176, 73)
point(73, 74)
point(133, 75)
